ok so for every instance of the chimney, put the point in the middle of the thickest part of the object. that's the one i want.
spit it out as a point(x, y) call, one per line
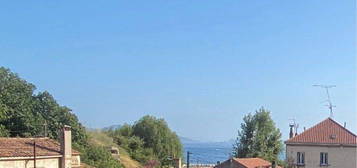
point(178, 163)
point(66, 147)
point(273, 164)
point(231, 162)
point(344, 125)
point(291, 134)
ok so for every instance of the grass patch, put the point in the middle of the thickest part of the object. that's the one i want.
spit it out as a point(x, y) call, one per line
point(98, 137)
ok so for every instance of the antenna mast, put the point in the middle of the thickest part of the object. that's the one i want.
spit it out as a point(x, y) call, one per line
point(329, 103)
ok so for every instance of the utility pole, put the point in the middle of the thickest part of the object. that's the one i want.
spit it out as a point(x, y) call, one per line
point(329, 103)
point(45, 128)
point(188, 159)
point(34, 153)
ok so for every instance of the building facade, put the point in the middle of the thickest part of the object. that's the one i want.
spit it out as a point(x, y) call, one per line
point(327, 144)
point(39, 152)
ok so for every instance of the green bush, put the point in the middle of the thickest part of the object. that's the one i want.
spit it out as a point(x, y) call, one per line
point(149, 139)
point(99, 157)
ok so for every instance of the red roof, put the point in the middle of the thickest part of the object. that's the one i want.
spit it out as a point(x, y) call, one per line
point(23, 147)
point(325, 132)
point(245, 163)
point(252, 162)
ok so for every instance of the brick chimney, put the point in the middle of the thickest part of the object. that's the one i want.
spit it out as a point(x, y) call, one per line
point(177, 163)
point(231, 165)
point(291, 134)
point(66, 147)
point(273, 164)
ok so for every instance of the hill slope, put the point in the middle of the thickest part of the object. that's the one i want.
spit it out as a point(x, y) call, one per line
point(99, 138)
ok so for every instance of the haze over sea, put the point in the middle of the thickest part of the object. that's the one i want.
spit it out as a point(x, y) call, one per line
point(206, 152)
point(209, 152)
point(207, 155)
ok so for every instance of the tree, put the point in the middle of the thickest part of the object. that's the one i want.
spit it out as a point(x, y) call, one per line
point(149, 139)
point(157, 135)
point(16, 114)
point(23, 113)
point(258, 137)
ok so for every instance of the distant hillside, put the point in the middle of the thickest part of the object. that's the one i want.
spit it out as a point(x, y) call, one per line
point(187, 142)
point(112, 127)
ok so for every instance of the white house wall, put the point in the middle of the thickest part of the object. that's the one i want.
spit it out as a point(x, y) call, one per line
point(40, 163)
point(338, 157)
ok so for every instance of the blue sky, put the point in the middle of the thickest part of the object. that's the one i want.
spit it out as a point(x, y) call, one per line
point(201, 65)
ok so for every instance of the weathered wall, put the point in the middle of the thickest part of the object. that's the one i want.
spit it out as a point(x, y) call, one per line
point(338, 157)
point(66, 147)
point(40, 163)
point(76, 161)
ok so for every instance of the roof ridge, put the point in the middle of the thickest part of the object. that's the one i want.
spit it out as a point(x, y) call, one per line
point(250, 158)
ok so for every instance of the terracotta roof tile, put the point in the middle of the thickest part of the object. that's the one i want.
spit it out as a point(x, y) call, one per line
point(252, 162)
point(23, 147)
point(325, 132)
point(245, 163)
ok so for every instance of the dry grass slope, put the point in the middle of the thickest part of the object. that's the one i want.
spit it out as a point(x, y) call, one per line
point(99, 138)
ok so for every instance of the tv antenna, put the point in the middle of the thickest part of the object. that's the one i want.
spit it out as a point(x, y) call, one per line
point(329, 103)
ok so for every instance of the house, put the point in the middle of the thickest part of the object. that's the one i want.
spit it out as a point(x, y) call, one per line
point(245, 163)
point(327, 144)
point(39, 152)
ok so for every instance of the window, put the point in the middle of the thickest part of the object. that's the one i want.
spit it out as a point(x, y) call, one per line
point(323, 158)
point(300, 158)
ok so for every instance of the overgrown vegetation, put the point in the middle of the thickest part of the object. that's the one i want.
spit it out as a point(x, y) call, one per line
point(100, 138)
point(149, 141)
point(23, 113)
point(259, 137)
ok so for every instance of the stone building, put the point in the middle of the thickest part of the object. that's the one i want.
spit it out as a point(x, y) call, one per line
point(327, 144)
point(39, 152)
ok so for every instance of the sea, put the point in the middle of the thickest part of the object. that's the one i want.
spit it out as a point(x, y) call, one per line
point(207, 153)
point(202, 154)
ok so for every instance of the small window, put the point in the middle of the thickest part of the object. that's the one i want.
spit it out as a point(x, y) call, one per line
point(300, 158)
point(323, 158)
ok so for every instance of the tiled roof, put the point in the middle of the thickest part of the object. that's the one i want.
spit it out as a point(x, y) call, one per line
point(252, 162)
point(245, 163)
point(23, 147)
point(325, 132)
